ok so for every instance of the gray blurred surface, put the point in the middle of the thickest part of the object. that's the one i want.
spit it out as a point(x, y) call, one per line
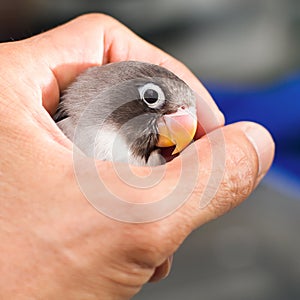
point(251, 253)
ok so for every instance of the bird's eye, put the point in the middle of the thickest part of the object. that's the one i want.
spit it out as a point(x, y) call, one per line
point(152, 95)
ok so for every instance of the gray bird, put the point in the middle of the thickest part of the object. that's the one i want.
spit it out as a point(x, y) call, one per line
point(128, 112)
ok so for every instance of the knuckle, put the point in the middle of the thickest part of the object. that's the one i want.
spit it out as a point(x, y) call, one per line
point(97, 17)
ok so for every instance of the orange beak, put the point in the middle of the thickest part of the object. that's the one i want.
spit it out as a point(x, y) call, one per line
point(177, 129)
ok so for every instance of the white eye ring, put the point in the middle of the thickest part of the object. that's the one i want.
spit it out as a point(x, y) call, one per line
point(159, 94)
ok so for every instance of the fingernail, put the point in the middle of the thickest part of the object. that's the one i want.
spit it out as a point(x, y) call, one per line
point(263, 143)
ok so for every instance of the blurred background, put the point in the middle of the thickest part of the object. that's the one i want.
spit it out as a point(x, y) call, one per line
point(248, 55)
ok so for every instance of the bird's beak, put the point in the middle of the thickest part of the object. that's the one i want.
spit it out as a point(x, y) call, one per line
point(177, 129)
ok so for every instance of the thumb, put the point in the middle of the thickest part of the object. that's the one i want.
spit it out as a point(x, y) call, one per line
point(232, 162)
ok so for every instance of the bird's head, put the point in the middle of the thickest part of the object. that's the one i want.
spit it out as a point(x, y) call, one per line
point(159, 110)
point(146, 104)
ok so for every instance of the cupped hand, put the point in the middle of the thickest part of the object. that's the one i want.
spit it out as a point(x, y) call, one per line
point(54, 243)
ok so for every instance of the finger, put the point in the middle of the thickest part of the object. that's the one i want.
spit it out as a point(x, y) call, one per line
point(207, 119)
point(232, 162)
point(102, 39)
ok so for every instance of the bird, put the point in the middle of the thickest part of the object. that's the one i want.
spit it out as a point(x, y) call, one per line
point(128, 112)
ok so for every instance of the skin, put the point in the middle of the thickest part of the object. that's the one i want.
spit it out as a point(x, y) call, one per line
point(54, 244)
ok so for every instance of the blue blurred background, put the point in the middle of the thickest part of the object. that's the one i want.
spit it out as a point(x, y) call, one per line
point(248, 55)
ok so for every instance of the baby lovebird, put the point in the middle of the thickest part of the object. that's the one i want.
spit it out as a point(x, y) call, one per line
point(127, 112)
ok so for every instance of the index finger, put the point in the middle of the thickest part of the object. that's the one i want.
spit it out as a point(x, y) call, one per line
point(96, 39)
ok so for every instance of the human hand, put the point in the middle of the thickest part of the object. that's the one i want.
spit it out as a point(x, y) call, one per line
point(54, 244)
